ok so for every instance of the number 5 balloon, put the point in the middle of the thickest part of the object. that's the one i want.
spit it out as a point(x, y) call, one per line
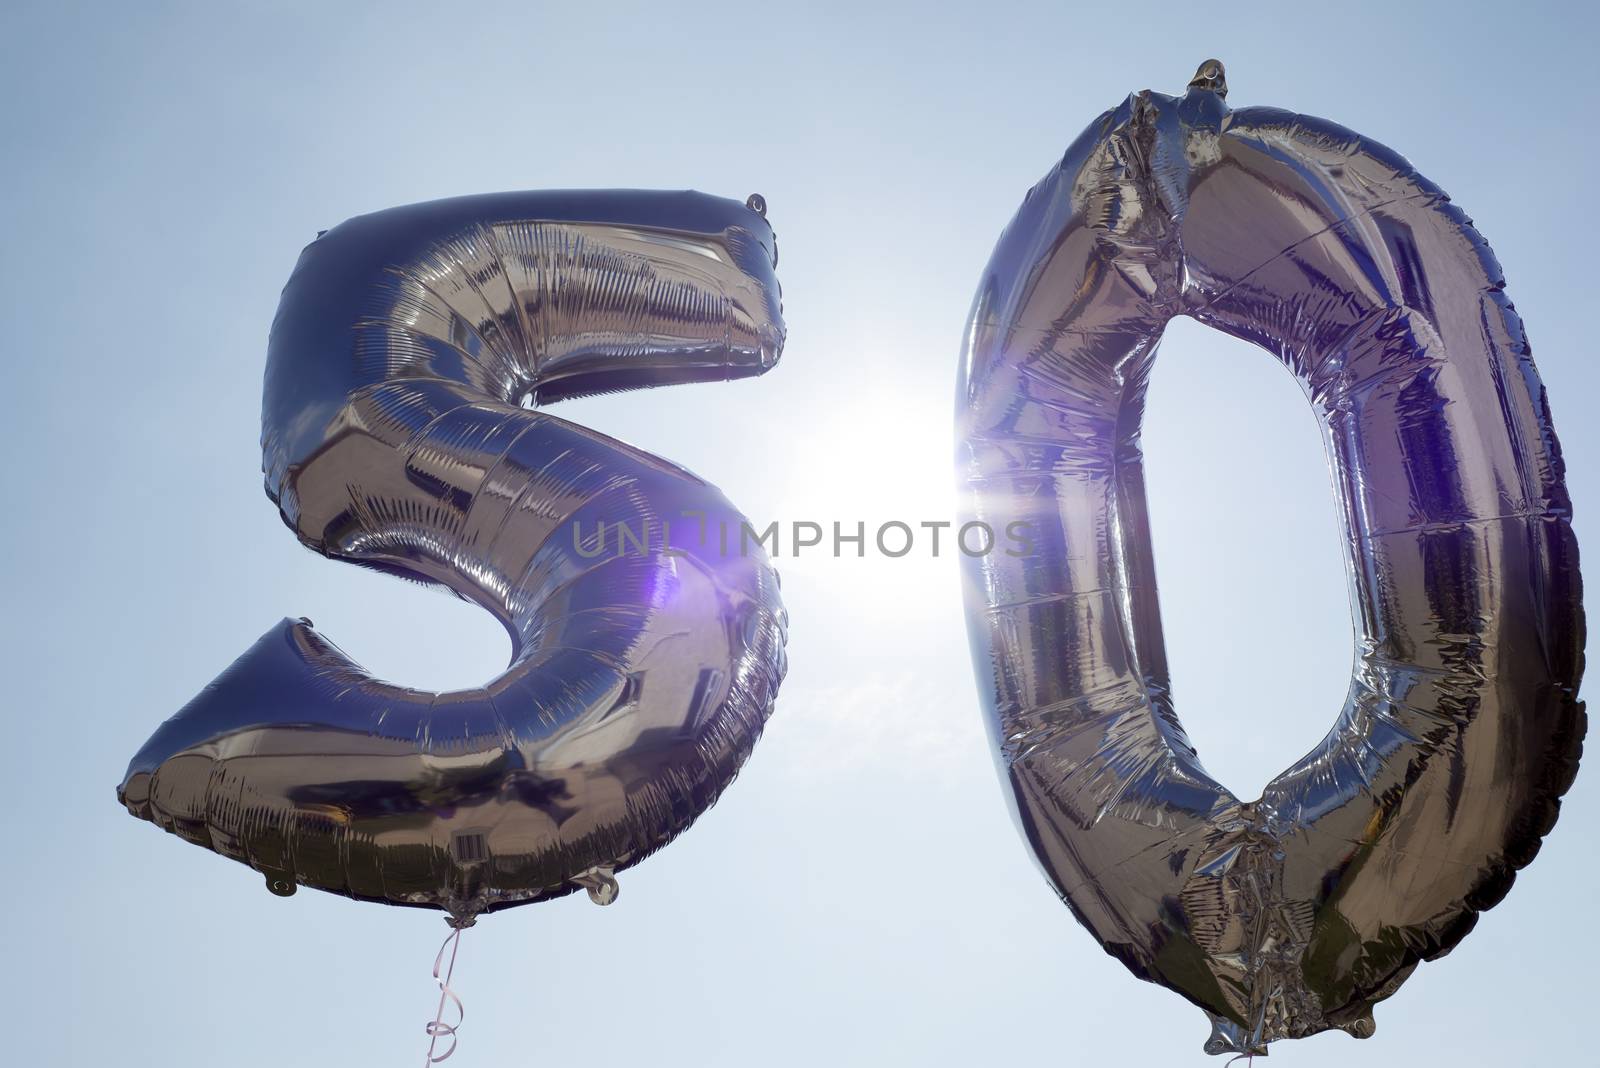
point(1296, 912)
point(395, 437)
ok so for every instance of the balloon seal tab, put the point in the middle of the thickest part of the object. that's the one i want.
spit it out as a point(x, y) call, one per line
point(1211, 77)
point(1229, 1037)
point(601, 884)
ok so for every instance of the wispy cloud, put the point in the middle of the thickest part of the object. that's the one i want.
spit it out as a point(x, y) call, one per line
point(898, 724)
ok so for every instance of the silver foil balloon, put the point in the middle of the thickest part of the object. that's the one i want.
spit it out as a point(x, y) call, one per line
point(645, 655)
point(1296, 912)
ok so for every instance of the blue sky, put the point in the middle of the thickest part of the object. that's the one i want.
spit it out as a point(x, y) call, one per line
point(859, 896)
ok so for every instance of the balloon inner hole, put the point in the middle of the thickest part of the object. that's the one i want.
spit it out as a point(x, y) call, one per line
point(1249, 555)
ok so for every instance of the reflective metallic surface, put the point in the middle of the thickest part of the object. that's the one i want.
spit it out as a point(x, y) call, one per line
point(1296, 912)
point(646, 656)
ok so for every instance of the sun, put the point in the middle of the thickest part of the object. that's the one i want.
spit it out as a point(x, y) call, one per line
point(877, 466)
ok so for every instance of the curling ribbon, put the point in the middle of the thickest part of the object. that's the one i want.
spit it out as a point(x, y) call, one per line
point(437, 1028)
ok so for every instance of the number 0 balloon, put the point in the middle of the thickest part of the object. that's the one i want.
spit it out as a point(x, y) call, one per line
point(395, 436)
point(1296, 912)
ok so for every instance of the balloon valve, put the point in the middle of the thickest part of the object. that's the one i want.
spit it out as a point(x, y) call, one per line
point(281, 885)
point(1229, 1037)
point(1211, 77)
point(601, 884)
point(757, 203)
